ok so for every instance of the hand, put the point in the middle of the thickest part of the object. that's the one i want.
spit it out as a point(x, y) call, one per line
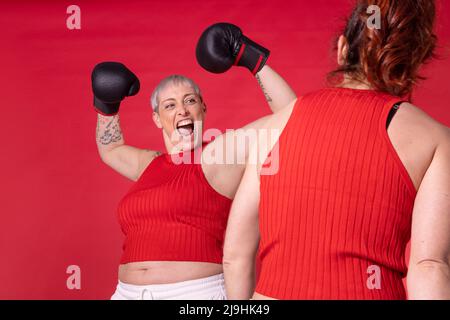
point(111, 83)
point(223, 45)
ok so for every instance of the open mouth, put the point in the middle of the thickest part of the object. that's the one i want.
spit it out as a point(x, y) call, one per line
point(185, 127)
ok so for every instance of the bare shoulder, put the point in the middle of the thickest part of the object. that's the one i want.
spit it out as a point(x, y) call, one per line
point(422, 124)
point(275, 120)
point(224, 159)
point(238, 141)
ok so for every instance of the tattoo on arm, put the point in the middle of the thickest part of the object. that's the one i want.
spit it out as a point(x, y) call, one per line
point(157, 154)
point(268, 98)
point(111, 133)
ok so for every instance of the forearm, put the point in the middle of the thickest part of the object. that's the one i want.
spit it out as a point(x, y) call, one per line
point(108, 134)
point(277, 91)
point(239, 279)
point(429, 281)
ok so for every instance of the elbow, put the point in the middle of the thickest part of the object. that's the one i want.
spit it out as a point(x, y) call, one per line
point(229, 260)
point(102, 157)
point(236, 260)
point(103, 152)
point(431, 265)
point(428, 266)
point(106, 152)
point(105, 158)
point(239, 274)
point(429, 279)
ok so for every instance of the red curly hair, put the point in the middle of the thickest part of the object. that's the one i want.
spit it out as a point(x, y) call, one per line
point(389, 58)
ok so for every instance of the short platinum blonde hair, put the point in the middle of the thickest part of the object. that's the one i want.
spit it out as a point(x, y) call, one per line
point(172, 79)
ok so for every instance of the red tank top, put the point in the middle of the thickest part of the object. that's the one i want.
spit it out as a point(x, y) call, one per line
point(336, 218)
point(172, 214)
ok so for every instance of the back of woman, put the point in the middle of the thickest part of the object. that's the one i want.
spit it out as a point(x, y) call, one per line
point(361, 172)
point(340, 204)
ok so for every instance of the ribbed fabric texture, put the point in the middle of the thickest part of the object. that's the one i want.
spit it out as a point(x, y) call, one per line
point(341, 202)
point(172, 214)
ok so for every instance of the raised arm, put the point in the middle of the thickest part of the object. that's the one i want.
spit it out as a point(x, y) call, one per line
point(429, 266)
point(223, 45)
point(111, 83)
point(126, 160)
point(277, 91)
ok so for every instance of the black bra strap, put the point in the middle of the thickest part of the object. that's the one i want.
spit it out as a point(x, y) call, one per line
point(392, 113)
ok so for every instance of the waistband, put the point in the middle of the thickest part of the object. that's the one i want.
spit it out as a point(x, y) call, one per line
point(178, 290)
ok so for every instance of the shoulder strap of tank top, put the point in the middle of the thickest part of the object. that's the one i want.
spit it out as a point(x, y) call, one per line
point(392, 113)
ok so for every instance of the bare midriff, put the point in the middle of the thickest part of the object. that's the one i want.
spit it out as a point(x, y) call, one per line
point(163, 272)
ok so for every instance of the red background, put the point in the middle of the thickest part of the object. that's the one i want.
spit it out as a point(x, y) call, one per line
point(58, 199)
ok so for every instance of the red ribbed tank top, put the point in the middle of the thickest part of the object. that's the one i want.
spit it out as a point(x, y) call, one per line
point(172, 214)
point(336, 218)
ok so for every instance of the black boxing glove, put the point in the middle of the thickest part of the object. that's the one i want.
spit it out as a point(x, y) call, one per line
point(223, 45)
point(111, 83)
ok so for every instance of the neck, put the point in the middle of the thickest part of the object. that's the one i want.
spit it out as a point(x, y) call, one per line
point(352, 83)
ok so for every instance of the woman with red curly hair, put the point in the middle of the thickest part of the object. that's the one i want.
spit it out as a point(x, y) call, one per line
point(361, 172)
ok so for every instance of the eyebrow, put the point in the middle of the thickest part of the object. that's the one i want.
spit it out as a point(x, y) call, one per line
point(187, 94)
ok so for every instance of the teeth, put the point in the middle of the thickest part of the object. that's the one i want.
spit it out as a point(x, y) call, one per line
point(184, 122)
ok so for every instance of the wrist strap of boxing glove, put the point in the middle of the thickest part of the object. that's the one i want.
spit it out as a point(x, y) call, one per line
point(106, 109)
point(251, 55)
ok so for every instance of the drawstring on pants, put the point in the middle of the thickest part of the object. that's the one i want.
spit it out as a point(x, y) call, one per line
point(150, 295)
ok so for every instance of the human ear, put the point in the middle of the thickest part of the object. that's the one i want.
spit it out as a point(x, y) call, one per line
point(157, 120)
point(342, 50)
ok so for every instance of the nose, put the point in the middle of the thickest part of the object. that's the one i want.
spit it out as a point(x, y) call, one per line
point(183, 110)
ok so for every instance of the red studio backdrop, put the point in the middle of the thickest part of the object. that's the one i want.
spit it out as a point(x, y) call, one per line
point(58, 207)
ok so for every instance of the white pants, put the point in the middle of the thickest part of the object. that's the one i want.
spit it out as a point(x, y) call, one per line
point(209, 288)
